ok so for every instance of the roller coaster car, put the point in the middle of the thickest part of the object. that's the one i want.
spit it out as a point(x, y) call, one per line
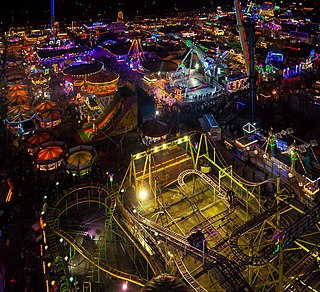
point(231, 197)
point(196, 239)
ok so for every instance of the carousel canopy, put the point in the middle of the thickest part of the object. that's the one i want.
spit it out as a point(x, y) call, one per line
point(18, 109)
point(38, 138)
point(81, 157)
point(50, 115)
point(50, 152)
point(18, 92)
point(13, 65)
point(44, 106)
point(17, 87)
point(103, 77)
point(18, 99)
point(83, 69)
point(155, 128)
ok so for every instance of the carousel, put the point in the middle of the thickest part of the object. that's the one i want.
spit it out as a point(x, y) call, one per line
point(50, 155)
point(83, 70)
point(80, 160)
point(103, 83)
point(18, 109)
point(154, 131)
point(50, 118)
point(76, 74)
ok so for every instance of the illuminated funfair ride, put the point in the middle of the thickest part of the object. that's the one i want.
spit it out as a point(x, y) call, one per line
point(262, 250)
point(265, 254)
point(135, 56)
point(246, 33)
point(210, 66)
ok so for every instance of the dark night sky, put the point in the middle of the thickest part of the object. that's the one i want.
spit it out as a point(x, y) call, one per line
point(33, 11)
point(38, 11)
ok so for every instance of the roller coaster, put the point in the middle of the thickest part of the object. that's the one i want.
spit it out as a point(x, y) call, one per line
point(248, 246)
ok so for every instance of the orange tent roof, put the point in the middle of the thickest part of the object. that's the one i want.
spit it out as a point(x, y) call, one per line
point(50, 152)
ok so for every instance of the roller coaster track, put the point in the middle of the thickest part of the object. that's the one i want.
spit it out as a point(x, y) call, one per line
point(231, 277)
point(248, 226)
point(144, 242)
point(204, 177)
point(222, 189)
point(255, 260)
point(186, 274)
point(206, 226)
point(101, 197)
point(305, 273)
point(179, 263)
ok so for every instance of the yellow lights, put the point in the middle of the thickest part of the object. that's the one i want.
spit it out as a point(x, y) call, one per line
point(159, 147)
point(143, 194)
point(125, 286)
point(310, 189)
point(181, 140)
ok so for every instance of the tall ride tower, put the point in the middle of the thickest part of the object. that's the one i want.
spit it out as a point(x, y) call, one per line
point(246, 33)
point(52, 19)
